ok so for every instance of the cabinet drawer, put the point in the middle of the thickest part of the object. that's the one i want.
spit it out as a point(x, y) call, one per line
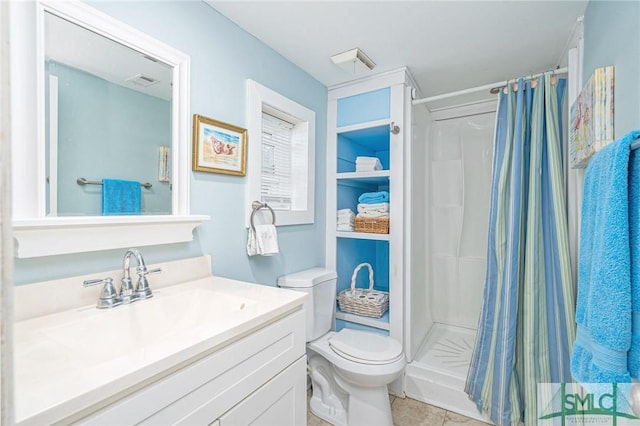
point(212, 385)
point(282, 401)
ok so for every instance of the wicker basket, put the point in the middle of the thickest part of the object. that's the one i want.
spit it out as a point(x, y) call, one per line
point(366, 302)
point(377, 225)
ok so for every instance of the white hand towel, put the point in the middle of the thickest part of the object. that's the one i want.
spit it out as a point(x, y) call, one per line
point(367, 164)
point(376, 207)
point(373, 214)
point(264, 241)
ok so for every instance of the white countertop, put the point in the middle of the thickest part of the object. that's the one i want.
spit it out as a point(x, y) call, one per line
point(69, 361)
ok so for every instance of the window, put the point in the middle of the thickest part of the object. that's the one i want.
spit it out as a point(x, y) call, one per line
point(281, 169)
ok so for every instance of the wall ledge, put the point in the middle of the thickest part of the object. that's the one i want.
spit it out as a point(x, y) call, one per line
point(62, 235)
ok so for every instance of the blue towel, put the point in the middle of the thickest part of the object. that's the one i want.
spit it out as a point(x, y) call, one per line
point(374, 197)
point(120, 197)
point(634, 245)
point(604, 305)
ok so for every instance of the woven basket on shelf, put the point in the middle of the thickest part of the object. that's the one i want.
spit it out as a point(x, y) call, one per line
point(366, 302)
point(375, 225)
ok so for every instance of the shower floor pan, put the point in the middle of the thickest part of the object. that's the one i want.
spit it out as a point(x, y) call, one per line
point(438, 373)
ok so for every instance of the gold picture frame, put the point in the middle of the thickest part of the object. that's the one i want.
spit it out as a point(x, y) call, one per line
point(218, 147)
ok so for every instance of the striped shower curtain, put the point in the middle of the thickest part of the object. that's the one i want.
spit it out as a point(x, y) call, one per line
point(526, 324)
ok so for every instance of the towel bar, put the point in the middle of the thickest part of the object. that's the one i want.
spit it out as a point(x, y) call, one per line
point(83, 181)
point(257, 205)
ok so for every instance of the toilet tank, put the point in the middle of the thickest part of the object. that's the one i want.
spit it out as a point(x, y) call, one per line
point(320, 285)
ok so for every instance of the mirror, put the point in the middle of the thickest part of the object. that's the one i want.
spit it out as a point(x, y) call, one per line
point(107, 116)
point(43, 223)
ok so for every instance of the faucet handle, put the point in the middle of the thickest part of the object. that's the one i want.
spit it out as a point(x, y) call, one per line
point(108, 295)
point(142, 288)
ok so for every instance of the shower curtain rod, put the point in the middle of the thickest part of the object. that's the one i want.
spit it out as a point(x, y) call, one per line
point(478, 89)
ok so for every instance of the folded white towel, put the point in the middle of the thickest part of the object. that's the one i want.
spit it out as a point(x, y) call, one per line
point(345, 214)
point(368, 164)
point(349, 222)
point(373, 214)
point(345, 228)
point(376, 207)
point(362, 159)
point(263, 241)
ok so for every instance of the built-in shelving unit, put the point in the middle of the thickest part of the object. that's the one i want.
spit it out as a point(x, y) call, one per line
point(361, 117)
point(381, 323)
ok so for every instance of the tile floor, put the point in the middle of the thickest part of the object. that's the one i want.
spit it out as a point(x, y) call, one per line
point(409, 412)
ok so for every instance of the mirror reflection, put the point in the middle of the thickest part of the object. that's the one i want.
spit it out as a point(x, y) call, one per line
point(108, 125)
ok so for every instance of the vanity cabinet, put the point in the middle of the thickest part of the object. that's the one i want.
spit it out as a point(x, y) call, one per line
point(258, 379)
point(368, 118)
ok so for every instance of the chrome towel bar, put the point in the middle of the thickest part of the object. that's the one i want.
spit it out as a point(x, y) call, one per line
point(83, 181)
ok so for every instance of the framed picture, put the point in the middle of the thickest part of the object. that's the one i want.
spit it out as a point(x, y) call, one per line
point(219, 147)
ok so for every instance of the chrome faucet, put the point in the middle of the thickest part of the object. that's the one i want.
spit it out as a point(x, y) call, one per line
point(142, 290)
point(110, 298)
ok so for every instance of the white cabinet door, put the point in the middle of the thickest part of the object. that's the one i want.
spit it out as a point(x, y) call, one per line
point(282, 401)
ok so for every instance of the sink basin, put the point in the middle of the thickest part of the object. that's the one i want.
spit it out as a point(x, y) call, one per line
point(127, 329)
point(72, 359)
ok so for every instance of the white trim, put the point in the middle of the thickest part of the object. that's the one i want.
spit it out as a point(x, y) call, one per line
point(375, 82)
point(53, 146)
point(63, 235)
point(7, 304)
point(260, 97)
point(331, 198)
point(28, 94)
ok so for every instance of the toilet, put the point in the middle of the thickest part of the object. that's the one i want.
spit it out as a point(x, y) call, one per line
point(349, 369)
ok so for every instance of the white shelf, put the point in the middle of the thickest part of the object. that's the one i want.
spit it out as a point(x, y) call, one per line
point(50, 236)
point(382, 323)
point(362, 235)
point(364, 125)
point(374, 177)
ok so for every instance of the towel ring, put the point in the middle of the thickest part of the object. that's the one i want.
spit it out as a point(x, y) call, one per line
point(257, 205)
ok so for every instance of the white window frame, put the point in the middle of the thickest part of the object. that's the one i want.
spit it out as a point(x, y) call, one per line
point(262, 99)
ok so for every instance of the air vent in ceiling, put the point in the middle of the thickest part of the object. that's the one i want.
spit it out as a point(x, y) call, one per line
point(142, 80)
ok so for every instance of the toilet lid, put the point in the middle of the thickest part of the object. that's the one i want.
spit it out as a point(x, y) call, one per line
point(368, 347)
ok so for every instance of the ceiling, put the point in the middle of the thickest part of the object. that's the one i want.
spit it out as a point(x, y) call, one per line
point(82, 49)
point(447, 45)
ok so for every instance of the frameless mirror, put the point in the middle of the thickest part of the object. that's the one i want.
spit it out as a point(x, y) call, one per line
point(107, 117)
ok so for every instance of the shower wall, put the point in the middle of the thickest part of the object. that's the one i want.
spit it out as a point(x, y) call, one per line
point(460, 163)
point(418, 319)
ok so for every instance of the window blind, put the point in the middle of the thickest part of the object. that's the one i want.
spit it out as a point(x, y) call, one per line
point(276, 182)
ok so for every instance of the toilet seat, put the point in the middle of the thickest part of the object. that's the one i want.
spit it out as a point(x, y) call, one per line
point(365, 347)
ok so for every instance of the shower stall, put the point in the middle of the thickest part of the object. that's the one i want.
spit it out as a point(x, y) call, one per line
point(451, 160)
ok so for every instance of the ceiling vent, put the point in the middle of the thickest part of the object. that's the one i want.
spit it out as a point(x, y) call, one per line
point(142, 80)
point(354, 61)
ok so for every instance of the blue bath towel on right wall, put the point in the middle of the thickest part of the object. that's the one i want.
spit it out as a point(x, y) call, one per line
point(607, 346)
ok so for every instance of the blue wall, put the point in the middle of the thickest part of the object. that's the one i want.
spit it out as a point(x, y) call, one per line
point(115, 138)
point(223, 57)
point(612, 37)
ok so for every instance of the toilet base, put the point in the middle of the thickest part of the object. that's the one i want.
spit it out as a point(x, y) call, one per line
point(370, 406)
point(341, 403)
point(328, 400)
